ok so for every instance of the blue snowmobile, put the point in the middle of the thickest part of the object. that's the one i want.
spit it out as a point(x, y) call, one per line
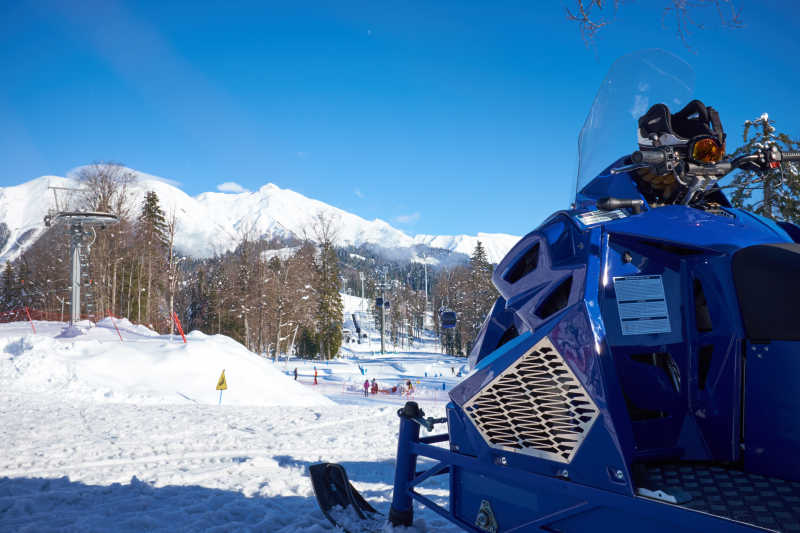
point(639, 370)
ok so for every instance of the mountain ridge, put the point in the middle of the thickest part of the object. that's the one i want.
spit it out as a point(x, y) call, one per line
point(214, 222)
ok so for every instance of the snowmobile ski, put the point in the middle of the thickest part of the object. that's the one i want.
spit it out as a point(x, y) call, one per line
point(340, 502)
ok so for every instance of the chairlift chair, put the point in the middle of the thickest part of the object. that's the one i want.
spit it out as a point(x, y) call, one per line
point(448, 319)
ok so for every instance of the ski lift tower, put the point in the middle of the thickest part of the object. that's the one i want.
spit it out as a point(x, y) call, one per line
point(361, 276)
point(82, 225)
point(382, 286)
point(427, 315)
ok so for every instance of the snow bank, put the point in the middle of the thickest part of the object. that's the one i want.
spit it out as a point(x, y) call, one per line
point(147, 368)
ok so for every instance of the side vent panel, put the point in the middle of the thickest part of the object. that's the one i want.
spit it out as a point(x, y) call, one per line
point(702, 316)
point(704, 364)
point(510, 333)
point(535, 407)
point(665, 362)
point(524, 265)
point(556, 300)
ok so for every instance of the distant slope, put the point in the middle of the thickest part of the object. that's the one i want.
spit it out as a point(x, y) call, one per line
point(214, 222)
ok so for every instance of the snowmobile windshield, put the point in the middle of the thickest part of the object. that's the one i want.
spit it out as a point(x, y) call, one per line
point(633, 84)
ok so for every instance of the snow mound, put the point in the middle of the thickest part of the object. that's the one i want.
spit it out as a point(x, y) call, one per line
point(125, 324)
point(71, 332)
point(146, 368)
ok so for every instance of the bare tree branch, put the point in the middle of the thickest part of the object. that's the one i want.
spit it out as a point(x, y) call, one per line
point(589, 16)
point(588, 24)
point(684, 22)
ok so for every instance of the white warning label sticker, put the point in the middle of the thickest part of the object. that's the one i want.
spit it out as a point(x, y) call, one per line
point(591, 218)
point(642, 305)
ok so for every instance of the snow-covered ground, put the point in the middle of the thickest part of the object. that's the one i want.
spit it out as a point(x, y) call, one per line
point(103, 434)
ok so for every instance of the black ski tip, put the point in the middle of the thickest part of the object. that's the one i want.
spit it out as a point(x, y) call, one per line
point(333, 488)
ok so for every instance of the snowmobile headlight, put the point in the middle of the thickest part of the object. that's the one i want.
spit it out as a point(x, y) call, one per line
point(706, 150)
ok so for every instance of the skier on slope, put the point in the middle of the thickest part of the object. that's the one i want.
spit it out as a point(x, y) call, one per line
point(366, 388)
point(315, 375)
point(295, 374)
point(409, 388)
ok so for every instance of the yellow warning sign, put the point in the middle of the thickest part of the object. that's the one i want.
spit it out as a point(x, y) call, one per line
point(222, 384)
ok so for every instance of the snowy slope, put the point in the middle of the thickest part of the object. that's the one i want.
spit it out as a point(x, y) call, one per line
point(497, 245)
point(145, 368)
point(214, 222)
point(22, 211)
point(100, 440)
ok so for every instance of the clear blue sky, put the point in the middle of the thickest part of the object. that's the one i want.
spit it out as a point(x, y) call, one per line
point(439, 117)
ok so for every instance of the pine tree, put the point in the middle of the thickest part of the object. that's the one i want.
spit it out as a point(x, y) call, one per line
point(8, 296)
point(153, 234)
point(326, 284)
point(775, 193)
point(329, 312)
point(307, 344)
point(244, 277)
point(198, 306)
point(482, 294)
point(23, 284)
point(152, 221)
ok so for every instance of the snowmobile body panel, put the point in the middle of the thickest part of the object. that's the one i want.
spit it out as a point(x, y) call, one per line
point(771, 424)
point(680, 392)
point(723, 231)
point(599, 443)
point(636, 374)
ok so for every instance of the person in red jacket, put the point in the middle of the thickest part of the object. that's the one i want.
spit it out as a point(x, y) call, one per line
point(366, 387)
point(315, 375)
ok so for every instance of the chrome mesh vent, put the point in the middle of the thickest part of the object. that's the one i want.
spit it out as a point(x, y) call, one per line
point(535, 407)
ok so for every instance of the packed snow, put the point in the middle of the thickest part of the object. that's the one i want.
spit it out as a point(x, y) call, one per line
point(138, 366)
point(112, 427)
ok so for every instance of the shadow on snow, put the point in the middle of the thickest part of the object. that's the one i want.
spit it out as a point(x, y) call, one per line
point(58, 504)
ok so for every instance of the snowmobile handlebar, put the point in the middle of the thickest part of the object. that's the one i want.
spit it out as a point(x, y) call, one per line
point(697, 176)
point(667, 159)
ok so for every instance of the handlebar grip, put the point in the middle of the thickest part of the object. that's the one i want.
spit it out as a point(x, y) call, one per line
point(649, 157)
point(609, 204)
point(790, 156)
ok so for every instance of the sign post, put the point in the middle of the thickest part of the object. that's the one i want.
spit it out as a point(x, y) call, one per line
point(180, 329)
point(221, 385)
point(110, 314)
point(29, 320)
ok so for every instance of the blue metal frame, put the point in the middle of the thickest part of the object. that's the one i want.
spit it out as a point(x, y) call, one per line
point(622, 512)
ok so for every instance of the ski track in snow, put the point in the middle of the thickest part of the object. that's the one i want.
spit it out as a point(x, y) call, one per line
point(72, 463)
point(123, 467)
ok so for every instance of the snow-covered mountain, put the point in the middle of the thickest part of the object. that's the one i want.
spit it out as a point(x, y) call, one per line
point(215, 222)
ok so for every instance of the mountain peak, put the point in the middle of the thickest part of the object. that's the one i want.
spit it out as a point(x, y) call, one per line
point(270, 187)
point(215, 222)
